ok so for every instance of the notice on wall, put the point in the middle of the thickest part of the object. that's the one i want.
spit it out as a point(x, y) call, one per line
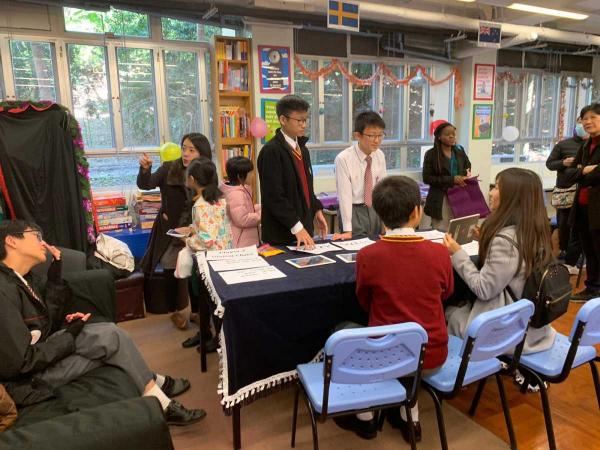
point(482, 121)
point(269, 114)
point(274, 69)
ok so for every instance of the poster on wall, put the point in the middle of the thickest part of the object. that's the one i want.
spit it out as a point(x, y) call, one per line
point(274, 69)
point(485, 74)
point(482, 121)
point(269, 114)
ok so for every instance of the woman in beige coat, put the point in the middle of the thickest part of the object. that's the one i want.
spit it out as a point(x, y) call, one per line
point(518, 217)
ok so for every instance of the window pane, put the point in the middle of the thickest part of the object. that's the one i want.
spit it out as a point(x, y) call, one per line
point(33, 70)
point(138, 102)
point(550, 98)
point(531, 105)
point(116, 172)
point(362, 96)
point(392, 111)
point(414, 155)
point(513, 100)
point(503, 152)
point(182, 30)
point(307, 89)
point(536, 151)
point(334, 107)
point(393, 156)
point(416, 99)
point(117, 21)
point(90, 94)
point(181, 74)
point(208, 77)
point(499, 106)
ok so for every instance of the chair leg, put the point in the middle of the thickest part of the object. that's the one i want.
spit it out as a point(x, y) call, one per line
point(546, 409)
point(596, 380)
point(440, 416)
point(295, 415)
point(411, 428)
point(313, 423)
point(202, 354)
point(506, 409)
point(477, 397)
point(237, 430)
point(381, 418)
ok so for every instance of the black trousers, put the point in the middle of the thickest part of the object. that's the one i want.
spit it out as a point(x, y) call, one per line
point(590, 243)
point(568, 238)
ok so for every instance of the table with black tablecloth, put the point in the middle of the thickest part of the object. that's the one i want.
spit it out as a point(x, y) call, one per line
point(271, 326)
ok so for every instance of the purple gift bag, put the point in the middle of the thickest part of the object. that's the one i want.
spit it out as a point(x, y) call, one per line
point(468, 200)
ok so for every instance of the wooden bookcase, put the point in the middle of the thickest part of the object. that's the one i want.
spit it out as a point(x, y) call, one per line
point(233, 100)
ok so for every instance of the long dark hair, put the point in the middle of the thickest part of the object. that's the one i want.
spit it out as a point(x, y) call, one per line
point(522, 205)
point(437, 145)
point(200, 142)
point(204, 173)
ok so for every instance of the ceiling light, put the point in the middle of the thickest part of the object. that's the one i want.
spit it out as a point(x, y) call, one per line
point(548, 11)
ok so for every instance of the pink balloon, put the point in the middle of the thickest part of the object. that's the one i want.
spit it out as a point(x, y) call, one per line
point(258, 127)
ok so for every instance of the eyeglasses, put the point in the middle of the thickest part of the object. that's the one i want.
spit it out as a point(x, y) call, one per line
point(301, 121)
point(374, 137)
point(38, 234)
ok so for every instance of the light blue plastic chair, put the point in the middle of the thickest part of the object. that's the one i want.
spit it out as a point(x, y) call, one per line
point(475, 358)
point(555, 364)
point(360, 373)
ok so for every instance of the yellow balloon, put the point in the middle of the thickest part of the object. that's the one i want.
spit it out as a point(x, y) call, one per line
point(169, 151)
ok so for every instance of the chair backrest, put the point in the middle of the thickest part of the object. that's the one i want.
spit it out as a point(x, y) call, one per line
point(590, 315)
point(374, 354)
point(499, 331)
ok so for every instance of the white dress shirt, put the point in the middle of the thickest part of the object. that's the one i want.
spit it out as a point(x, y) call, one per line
point(293, 143)
point(350, 166)
point(407, 231)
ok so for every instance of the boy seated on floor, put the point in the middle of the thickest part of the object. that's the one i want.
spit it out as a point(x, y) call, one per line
point(403, 278)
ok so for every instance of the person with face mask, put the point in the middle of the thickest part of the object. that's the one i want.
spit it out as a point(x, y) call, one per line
point(561, 160)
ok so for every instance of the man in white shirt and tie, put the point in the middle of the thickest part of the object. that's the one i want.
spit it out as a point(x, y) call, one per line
point(357, 169)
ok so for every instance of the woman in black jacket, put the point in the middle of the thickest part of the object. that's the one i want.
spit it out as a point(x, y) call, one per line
point(585, 213)
point(174, 212)
point(444, 166)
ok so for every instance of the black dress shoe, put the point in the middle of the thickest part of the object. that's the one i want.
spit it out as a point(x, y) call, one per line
point(585, 295)
point(211, 345)
point(177, 414)
point(396, 421)
point(172, 387)
point(192, 341)
point(366, 429)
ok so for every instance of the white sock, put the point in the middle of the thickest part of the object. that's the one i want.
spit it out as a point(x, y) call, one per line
point(160, 380)
point(365, 416)
point(155, 391)
point(414, 412)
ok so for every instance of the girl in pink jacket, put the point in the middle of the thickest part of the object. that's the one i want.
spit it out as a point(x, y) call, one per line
point(243, 214)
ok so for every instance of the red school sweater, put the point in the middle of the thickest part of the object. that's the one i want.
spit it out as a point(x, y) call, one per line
point(405, 279)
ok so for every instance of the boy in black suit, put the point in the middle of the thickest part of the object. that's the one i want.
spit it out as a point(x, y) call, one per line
point(289, 204)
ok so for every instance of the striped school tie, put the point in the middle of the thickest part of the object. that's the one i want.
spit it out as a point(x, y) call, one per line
point(368, 182)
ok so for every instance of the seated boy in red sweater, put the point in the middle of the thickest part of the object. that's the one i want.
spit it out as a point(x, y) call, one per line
point(403, 277)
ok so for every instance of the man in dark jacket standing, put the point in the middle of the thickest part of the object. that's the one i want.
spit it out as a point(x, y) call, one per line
point(561, 160)
point(289, 204)
point(40, 343)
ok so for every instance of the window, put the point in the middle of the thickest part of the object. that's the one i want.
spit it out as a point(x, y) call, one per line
point(116, 172)
point(417, 101)
point(183, 98)
point(335, 91)
point(308, 90)
point(362, 96)
point(91, 94)
point(116, 21)
point(138, 101)
point(181, 30)
point(33, 70)
point(391, 105)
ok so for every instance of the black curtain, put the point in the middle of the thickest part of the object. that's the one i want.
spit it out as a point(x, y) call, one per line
point(38, 161)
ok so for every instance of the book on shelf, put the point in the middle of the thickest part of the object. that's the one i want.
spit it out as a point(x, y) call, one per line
point(114, 208)
point(232, 78)
point(230, 152)
point(112, 200)
point(232, 50)
point(114, 220)
point(110, 212)
point(120, 226)
point(146, 225)
point(234, 122)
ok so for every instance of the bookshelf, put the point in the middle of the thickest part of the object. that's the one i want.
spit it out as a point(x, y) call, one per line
point(233, 100)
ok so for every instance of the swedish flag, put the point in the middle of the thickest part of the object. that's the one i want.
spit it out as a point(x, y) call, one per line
point(343, 15)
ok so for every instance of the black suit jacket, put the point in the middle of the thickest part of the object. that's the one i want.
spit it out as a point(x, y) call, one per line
point(564, 149)
point(591, 181)
point(281, 192)
point(440, 181)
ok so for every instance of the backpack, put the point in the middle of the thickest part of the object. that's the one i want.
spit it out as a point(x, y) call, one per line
point(548, 288)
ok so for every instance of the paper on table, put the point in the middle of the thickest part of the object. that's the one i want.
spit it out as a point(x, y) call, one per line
point(354, 245)
point(233, 253)
point(430, 235)
point(319, 248)
point(238, 263)
point(472, 248)
point(248, 275)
